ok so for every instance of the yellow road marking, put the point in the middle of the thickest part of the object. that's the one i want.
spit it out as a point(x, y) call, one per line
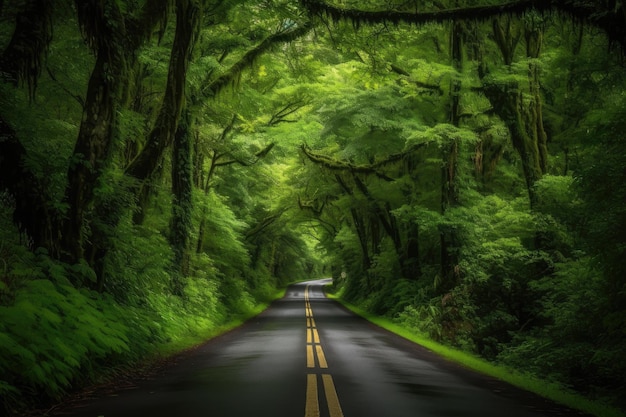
point(320, 356)
point(313, 347)
point(331, 396)
point(310, 359)
point(316, 336)
point(312, 407)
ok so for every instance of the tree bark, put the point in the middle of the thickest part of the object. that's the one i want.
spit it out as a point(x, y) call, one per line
point(32, 212)
point(21, 61)
point(91, 151)
point(361, 232)
point(524, 121)
point(162, 134)
point(104, 28)
point(534, 43)
point(612, 20)
point(449, 171)
point(182, 204)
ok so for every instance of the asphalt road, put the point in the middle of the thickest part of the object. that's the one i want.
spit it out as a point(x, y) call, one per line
point(308, 356)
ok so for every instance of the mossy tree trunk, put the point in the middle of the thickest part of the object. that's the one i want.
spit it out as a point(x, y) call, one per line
point(450, 167)
point(182, 204)
point(21, 62)
point(534, 43)
point(98, 126)
point(162, 134)
point(408, 252)
point(114, 37)
point(22, 59)
point(521, 116)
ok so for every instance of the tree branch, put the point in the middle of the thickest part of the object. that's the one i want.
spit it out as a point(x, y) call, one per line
point(281, 115)
point(372, 169)
point(76, 97)
point(249, 57)
point(611, 20)
point(264, 223)
point(420, 84)
point(481, 13)
point(258, 156)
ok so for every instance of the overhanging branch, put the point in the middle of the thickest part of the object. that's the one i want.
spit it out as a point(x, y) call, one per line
point(257, 157)
point(612, 20)
point(263, 224)
point(371, 169)
point(250, 57)
point(440, 16)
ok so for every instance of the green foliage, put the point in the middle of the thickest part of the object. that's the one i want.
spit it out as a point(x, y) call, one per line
point(437, 234)
point(54, 335)
point(223, 238)
point(567, 348)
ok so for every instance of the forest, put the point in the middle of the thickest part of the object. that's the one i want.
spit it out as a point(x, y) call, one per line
point(168, 166)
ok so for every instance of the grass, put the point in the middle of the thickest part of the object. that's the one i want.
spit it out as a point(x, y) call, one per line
point(550, 390)
point(197, 338)
point(185, 342)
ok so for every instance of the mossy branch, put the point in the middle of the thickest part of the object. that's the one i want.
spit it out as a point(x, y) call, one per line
point(420, 84)
point(612, 20)
point(257, 157)
point(480, 13)
point(263, 224)
point(232, 75)
point(370, 169)
point(284, 112)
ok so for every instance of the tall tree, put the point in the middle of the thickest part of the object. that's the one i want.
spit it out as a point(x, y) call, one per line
point(523, 117)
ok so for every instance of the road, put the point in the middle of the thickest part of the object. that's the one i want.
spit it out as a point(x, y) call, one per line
point(308, 356)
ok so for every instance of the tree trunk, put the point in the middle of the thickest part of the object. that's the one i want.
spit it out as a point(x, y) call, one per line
point(524, 121)
point(205, 186)
point(362, 235)
point(107, 214)
point(21, 60)
point(390, 225)
point(162, 134)
point(92, 149)
point(32, 212)
point(534, 43)
point(182, 204)
point(412, 253)
point(449, 199)
point(449, 171)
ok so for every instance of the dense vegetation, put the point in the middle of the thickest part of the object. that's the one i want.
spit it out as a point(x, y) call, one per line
point(166, 165)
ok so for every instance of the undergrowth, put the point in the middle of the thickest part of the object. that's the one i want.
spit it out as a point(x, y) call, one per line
point(553, 390)
point(56, 338)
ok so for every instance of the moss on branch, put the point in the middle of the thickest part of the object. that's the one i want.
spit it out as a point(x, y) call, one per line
point(612, 20)
point(231, 76)
point(370, 169)
point(480, 13)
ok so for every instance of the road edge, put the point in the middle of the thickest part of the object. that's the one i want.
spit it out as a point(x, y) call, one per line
point(551, 391)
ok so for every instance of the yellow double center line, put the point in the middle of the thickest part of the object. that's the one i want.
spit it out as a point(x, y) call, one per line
point(313, 348)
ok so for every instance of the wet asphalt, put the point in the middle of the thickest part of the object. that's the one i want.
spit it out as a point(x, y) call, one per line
point(307, 356)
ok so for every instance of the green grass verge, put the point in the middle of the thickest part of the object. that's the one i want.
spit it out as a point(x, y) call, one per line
point(546, 389)
point(190, 341)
